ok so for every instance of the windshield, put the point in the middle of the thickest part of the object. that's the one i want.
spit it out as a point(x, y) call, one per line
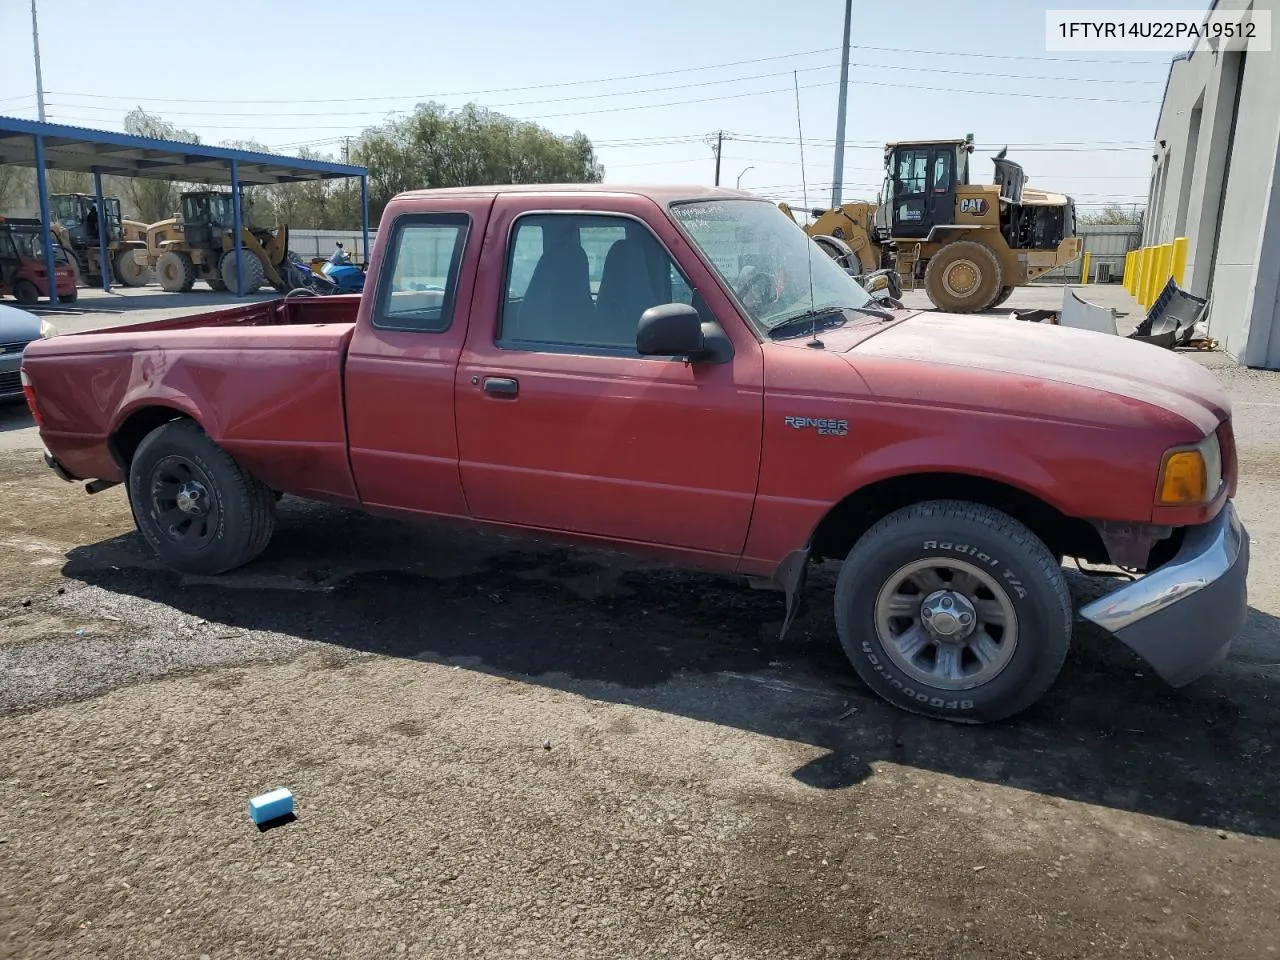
point(766, 259)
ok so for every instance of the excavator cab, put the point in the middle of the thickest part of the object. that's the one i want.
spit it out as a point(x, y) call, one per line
point(76, 212)
point(920, 183)
point(206, 214)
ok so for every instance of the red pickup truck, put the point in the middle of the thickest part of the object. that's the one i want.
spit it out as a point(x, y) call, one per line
point(683, 371)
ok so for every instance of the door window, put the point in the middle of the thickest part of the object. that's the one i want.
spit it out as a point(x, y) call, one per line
point(942, 172)
point(913, 166)
point(419, 280)
point(579, 282)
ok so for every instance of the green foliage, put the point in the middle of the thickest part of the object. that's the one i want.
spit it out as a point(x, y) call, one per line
point(433, 147)
point(1113, 213)
point(436, 147)
point(151, 200)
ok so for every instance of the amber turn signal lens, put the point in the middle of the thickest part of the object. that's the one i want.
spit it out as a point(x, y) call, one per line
point(1184, 479)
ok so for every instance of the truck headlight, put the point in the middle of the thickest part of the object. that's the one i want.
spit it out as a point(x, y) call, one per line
point(1192, 474)
point(47, 329)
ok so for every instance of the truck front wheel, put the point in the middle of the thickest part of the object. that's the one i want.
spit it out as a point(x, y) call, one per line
point(954, 610)
point(198, 509)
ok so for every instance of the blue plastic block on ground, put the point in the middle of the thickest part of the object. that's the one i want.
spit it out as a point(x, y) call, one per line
point(271, 806)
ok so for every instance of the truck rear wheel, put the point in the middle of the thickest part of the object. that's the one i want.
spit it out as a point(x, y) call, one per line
point(176, 272)
point(129, 271)
point(954, 610)
point(198, 509)
point(963, 277)
point(254, 275)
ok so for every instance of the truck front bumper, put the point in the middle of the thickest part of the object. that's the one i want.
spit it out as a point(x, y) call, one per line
point(1182, 617)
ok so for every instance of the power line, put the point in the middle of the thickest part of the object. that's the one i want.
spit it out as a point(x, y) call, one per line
point(722, 97)
point(1009, 56)
point(476, 93)
point(619, 93)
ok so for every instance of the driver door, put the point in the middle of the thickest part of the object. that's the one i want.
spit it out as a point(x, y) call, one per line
point(924, 189)
point(562, 425)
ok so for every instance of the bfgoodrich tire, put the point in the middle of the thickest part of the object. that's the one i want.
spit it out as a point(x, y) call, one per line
point(198, 509)
point(954, 610)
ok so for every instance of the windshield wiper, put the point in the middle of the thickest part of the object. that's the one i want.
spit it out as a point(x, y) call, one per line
point(872, 311)
point(809, 320)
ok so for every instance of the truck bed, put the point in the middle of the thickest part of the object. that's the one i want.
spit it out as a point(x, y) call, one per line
point(282, 311)
point(264, 380)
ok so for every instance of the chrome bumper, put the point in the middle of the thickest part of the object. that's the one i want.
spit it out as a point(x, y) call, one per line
point(1182, 617)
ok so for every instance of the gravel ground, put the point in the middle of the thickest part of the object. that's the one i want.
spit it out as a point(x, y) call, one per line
point(508, 748)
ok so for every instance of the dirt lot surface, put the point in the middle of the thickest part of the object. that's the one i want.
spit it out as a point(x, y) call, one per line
point(505, 748)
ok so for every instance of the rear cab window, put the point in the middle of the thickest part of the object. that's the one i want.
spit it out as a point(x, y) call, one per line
point(418, 285)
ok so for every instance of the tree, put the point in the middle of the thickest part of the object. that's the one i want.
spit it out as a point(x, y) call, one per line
point(17, 186)
point(1113, 213)
point(436, 147)
point(153, 199)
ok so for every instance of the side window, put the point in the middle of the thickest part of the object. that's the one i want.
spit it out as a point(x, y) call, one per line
point(912, 170)
point(581, 281)
point(941, 172)
point(419, 280)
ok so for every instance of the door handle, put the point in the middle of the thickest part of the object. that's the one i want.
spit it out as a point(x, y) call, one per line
point(501, 386)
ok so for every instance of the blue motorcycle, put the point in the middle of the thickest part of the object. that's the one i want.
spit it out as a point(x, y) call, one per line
point(347, 277)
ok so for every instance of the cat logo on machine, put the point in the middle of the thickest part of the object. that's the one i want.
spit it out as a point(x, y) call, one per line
point(977, 206)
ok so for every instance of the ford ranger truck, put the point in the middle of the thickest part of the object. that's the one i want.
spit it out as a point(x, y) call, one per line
point(682, 372)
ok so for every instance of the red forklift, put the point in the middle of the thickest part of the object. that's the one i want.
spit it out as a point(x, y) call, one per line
point(22, 268)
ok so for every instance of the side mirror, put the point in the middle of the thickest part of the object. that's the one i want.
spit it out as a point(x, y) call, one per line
point(670, 330)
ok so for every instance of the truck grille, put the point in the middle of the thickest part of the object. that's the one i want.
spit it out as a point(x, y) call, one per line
point(10, 382)
point(10, 348)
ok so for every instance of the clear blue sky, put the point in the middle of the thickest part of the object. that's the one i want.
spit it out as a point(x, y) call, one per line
point(287, 74)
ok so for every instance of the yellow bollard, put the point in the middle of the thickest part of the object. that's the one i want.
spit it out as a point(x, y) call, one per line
point(1166, 269)
point(1128, 272)
point(1146, 275)
point(1084, 268)
point(1179, 259)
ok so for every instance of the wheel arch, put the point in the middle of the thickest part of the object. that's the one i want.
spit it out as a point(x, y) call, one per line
point(858, 511)
point(134, 427)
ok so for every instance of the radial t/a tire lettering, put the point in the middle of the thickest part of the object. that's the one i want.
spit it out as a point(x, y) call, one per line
point(194, 504)
point(954, 610)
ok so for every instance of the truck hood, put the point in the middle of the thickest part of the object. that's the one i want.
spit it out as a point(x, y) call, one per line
point(1046, 352)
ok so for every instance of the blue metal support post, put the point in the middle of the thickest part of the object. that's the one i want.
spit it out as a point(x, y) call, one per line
point(42, 189)
point(236, 221)
point(364, 215)
point(103, 259)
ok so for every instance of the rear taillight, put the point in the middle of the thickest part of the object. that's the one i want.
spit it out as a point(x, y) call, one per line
point(29, 391)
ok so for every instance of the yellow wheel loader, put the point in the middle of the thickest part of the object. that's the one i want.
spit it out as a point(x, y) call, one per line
point(75, 225)
point(970, 244)
point(197, 245)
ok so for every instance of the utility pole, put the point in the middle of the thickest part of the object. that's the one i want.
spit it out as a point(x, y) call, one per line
point(838, 167)
point(35, 42)
point(719, 147)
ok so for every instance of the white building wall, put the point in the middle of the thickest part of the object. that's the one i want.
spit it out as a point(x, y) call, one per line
point(1214, 180)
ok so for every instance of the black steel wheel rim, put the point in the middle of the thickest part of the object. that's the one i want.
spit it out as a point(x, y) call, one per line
point(182, 503)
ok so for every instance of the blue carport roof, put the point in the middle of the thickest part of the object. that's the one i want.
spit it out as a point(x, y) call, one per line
point(126, 155)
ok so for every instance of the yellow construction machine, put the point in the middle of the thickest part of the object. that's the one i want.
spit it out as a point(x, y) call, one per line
point(970, 244)
point(75, 225)
point(197, 245)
